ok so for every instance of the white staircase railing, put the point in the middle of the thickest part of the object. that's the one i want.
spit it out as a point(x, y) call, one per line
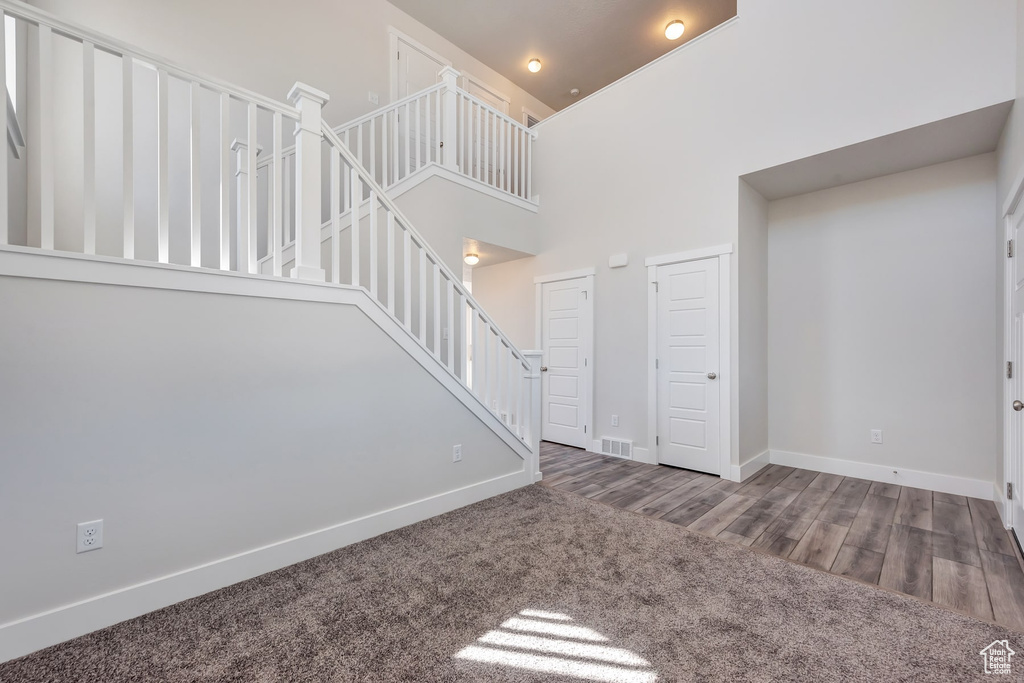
point(137, 216)
point(383, 253)
point(397, 140)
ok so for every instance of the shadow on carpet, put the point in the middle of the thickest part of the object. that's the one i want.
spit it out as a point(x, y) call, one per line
point(534, 585)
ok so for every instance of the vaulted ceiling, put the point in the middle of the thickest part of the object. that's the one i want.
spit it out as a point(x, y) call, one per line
point(584, 44)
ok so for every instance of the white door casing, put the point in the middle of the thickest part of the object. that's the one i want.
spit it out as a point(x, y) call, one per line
point(413, 68)
point(687, 365)
point(565, 330)
point(715, 455)
point(1014, 437)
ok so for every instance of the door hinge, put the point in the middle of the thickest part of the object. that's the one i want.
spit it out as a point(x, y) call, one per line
point(1009, 491)
point(584, 294)
point(584, 362)
point(655, 287)
point(1009, 248)
point(657, 440)
point(584, 429)
point(1009, 369)
point(655, 363)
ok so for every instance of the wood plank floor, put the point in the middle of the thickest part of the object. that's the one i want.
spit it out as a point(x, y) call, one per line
point(948, 549)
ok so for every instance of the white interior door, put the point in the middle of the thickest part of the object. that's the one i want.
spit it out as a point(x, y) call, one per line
point(416, 69)
point(566, 315)
point(1015, 417)
point(687, 366)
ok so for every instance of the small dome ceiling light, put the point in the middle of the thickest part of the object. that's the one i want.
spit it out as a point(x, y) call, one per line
point(674, 30)
point(575, 92)
point(471, 259)
point(534, 65)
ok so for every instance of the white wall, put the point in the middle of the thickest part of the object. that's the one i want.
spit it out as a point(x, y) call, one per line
point(198, 429)
point(881, 316)
point(752, 374)
point(650, 165)
point(446, 212)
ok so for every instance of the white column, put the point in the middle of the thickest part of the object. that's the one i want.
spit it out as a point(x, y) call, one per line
point(308, 137)
point(449, 132)
point(534, 387)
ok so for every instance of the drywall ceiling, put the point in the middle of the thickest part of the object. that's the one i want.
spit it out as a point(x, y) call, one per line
point(490, 254)
point(583, 44)
point(976, 132)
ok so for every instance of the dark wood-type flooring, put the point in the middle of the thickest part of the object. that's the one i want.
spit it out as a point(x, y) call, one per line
point(947, 549)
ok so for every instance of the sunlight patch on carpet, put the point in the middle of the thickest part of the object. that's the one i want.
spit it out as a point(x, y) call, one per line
point(573, 653)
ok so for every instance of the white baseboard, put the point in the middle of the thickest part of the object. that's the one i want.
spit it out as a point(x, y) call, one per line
point(1001, 504)
point(33, 633)
point(961, 486)
point(644, 455)
point(750, 467)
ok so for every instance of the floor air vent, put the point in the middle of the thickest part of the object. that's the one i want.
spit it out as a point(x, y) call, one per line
point(617, 447)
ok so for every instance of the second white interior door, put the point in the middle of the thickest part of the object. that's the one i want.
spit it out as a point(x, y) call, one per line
point(687, 372)
point(566, 327)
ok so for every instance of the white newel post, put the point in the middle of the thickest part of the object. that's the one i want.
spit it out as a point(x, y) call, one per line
point(308, 138)
point(241, 150)
point(450, 133)
point(534, 358)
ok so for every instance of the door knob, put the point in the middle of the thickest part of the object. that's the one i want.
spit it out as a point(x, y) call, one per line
point(1018, 406)
point(543, 368)
point(712, 375)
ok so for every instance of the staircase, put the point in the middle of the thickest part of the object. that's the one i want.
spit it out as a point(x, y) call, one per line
point(289, 218)
point(401, 145)
point(215, 357)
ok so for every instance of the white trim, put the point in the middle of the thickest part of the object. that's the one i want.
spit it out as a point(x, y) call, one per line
point(690, 255)
point(1010, 207)
point(693, 41)
point(1013, 199)
point(586, 274)
point(751, 467)
point(943, 483)
point(29, 262)
point(568, 275)
point(41, 630)
point(394, 35)
point(724, 255)
point(468, 78)
point(1002, 505)
point(528, 114)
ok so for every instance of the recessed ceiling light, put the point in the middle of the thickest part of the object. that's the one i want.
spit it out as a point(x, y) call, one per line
point(471, 259)
point(534, 65)
point(674, 30)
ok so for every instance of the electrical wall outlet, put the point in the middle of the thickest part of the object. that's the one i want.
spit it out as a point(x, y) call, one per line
point(615, 420)
point(374, 98)
point(90, 536)
point(457, 453)
point(876, 436)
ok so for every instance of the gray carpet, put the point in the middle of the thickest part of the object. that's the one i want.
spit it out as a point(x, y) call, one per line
point(535, 585)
